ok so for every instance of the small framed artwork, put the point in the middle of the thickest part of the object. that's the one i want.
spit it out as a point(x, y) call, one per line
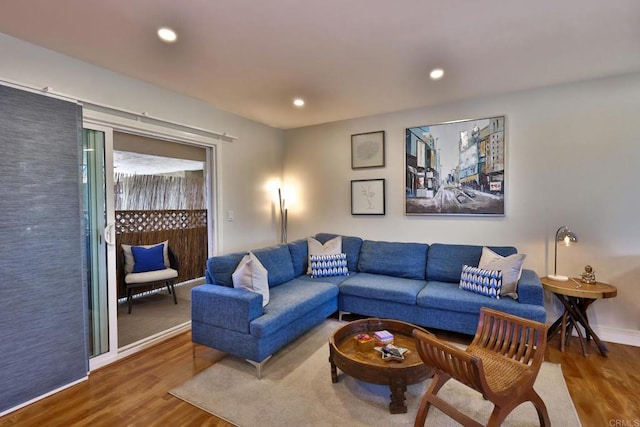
point(367, 150)
point(367, 197)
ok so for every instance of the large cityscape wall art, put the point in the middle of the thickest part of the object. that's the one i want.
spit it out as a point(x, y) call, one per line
point(456, 168)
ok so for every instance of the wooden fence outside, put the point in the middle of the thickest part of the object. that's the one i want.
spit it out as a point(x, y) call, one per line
point(186, 231)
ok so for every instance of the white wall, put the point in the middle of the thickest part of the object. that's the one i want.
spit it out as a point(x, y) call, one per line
point(246, 164)
point(572, 155)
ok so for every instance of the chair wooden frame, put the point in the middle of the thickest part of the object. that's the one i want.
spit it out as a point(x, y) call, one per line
point(502, 362)
point(169, 283)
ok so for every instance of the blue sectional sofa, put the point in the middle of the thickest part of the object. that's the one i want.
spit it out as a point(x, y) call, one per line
point(412, 282)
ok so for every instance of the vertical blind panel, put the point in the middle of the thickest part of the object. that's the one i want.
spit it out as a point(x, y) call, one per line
point(43, 328)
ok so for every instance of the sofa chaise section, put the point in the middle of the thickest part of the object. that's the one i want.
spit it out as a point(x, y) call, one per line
point(234, 321)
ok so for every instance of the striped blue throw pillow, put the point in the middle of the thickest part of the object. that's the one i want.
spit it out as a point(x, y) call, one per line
point(483, 282)
point(328, 265)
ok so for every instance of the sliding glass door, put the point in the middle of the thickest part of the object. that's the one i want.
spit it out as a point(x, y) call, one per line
point(102, 139)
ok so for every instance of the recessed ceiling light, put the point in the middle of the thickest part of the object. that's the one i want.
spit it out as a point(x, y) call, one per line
point(298, 102)
point(436, 73)
point(167, 35)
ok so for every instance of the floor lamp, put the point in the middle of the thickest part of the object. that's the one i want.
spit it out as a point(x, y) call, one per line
point(567, 237)
point(283, 218)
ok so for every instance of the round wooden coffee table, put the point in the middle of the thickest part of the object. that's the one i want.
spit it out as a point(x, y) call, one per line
point(368, 365)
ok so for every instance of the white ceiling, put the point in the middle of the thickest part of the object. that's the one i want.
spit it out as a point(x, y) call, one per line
point(345, 58)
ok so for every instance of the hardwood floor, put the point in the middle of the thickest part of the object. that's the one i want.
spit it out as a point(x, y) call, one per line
point(134, 391)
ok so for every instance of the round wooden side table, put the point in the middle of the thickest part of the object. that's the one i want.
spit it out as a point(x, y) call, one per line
point(576, 297)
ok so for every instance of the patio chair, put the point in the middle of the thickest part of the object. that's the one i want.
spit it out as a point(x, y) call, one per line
point(163, 277)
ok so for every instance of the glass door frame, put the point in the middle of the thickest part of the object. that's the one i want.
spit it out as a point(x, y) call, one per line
point(108, 234)
point(99, 119)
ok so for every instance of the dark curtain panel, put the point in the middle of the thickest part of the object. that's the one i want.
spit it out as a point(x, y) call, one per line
point(43, 327)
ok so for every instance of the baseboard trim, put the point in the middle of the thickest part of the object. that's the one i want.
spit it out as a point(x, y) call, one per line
point(618, 335)
point(606, 333)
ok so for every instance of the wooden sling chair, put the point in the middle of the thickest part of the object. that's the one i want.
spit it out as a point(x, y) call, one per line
point(502, 363)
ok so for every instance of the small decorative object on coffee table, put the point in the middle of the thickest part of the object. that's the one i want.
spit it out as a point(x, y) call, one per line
point(370, 367)
point(589, 276)
point(383, 337)
point(365, 342)
point(390, 352)
point(576, 298)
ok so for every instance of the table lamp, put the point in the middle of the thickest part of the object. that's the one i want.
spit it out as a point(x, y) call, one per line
point(567, 237)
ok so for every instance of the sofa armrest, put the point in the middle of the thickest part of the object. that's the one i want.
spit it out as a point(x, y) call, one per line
point(224, 307)
point(530, 289)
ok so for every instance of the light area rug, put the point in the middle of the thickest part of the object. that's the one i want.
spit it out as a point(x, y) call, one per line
point(296, 390)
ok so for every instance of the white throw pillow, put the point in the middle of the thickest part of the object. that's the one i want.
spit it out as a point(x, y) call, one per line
point(330, 247)
point(510, 266)
point(251, 275)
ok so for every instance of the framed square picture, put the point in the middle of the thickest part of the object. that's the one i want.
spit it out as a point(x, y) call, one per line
point(367, 197)
point(367, 150)
point(456, 168)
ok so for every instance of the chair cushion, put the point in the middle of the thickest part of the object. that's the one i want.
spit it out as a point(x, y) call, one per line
point(150, 276)
point(128, 256)
point(148, 259)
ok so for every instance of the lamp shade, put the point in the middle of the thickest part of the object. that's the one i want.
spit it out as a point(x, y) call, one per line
point(567, 237)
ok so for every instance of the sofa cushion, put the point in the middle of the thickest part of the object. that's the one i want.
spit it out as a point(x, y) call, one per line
point(252, 276)
point(336, 280)
point(407, 260)
point(277, 260)
point(350, 246)
point(480, 281)
point(289, 302)
point(299, 256)
point(511, 267)
point(330, 247)
point(221, 267)
point(444, 262)
point(447, 296)
point(381, 287)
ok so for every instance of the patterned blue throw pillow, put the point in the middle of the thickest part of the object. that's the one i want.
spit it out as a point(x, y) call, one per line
point(328, 265)
point(483, 282)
